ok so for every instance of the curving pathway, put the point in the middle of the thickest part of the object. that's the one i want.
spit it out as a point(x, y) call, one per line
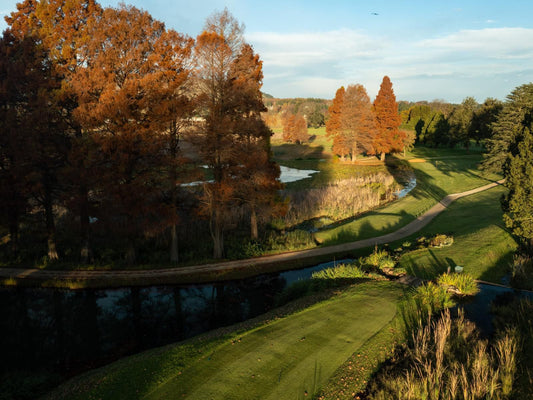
point(175, 273)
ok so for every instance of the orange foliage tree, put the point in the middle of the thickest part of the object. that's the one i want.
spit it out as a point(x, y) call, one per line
point(128, 97)
point(333, 125)
point(295, 128)
point(233, 141)
point(388, 136)
point(357, 121)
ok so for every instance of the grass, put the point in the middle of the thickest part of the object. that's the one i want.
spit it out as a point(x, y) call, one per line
point(287, 358)
point(435, 179)
point(482, 245)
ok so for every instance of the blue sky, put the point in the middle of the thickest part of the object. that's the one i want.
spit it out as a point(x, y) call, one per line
point(430, 49)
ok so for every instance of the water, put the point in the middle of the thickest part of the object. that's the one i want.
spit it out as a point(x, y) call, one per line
point(407, 188)
point(478, 308)
point(70, 331)
point(287, 175)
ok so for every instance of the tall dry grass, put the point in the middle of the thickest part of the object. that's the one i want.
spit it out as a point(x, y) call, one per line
point(341, 199)
point(448, 361)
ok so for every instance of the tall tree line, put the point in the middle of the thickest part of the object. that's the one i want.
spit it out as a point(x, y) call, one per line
point(95, 106)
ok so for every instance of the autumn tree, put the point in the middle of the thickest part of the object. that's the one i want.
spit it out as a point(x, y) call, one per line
point(19, 61)
point(129, 95)
point(255, 174)
point(388, 137)
point(60, 27)
point(333, 125)
point(357, 124)
point(233, 136)
point(295, 128)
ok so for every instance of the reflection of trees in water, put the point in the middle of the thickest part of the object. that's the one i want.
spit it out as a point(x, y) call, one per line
point(69, 331)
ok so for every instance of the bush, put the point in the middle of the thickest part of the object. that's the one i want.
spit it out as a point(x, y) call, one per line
point(292, 240)
point(379, 259)
point(441, 241)
point(464, 283)
point(341, 271)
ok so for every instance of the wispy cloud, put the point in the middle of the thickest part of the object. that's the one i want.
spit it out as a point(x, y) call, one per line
point(318, 62)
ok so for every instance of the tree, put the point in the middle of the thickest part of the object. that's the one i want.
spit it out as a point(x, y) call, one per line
point(517, 203)
point(515, 117)
point(388, 137)
point(127, 102)
point(255, 174)
point(295, 128)
point(460, 122)
point(233, 136)
point(484, 118)
point(333, 125)
point(60, 27)
point(357, 124)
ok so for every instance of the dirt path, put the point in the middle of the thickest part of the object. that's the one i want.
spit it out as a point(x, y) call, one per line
point(175, 273)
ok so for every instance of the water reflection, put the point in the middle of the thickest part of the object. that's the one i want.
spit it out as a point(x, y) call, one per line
point(70, 331)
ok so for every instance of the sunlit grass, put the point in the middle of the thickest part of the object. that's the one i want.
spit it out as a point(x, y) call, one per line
point(285, 358)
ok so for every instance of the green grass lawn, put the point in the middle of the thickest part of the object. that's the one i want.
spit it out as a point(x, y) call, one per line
point(481, 245)
point(287, 358)
point(435, 179)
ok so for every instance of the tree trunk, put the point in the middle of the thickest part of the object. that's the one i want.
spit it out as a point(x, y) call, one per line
point(131, 253)
point(14, 235)
point(174, 244)
point(50, 225)
point(253, 224)
point(217, 234)
point(382, 158)
point(218, 243)
point(85, 252)
point(354, 152)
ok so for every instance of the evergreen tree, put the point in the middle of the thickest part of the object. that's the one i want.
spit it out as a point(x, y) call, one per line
point(517, 204)
point(515, 117)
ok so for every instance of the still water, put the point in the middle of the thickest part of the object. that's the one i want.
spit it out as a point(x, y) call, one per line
point(69, 331)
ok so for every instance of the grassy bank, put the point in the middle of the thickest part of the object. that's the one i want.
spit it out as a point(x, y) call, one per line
point(435, 179)
point(287, 358)
point(481, 245)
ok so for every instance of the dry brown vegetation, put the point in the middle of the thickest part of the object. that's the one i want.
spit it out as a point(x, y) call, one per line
point(341, 199)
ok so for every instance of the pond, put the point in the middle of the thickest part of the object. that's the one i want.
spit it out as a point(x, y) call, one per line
point(287, 175)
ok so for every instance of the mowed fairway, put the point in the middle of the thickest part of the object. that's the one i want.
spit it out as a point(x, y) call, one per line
point(288, 358)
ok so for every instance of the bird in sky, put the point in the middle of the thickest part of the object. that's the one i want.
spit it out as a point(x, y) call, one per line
point(374, 13)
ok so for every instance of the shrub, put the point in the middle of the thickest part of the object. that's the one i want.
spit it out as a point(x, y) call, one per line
point(341, 271)
point(292, 240)
point(464, 283)
point(441, 241)
point(379, 259)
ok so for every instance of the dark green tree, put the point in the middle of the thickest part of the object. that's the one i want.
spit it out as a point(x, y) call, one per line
point(483, 119)
point(460, 122)
point(517, 204)
point(515, 117)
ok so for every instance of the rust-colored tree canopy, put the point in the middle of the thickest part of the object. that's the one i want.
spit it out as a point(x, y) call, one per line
point(388, 137)
point(106, 98)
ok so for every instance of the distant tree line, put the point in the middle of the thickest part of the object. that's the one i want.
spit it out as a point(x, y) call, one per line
point(104, 113)
point(447, 125)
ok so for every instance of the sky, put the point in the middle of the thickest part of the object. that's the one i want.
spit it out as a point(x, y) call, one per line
point(445, 50)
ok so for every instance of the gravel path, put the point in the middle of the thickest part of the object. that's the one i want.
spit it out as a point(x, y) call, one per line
point(175, 273)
